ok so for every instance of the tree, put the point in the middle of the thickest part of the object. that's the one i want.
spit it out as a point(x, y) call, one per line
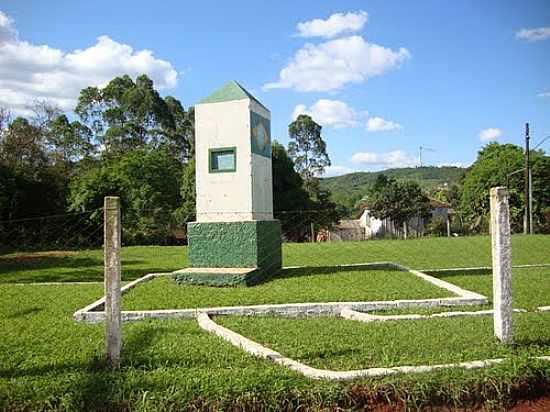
point(22, 146)
point(69, 142)
point(493, 167)
point(293, 205)
point(397, 201)
point(308, 150)
point(148, 183)
point(187, 210)
point(288, 187)
point(126, 115)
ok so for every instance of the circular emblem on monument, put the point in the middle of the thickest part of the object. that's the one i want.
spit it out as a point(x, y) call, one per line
point(261, 136)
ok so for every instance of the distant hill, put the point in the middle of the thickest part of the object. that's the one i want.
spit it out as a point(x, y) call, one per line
point(347, 189)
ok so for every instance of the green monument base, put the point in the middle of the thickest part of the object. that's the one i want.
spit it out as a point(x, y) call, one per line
point(253, 246)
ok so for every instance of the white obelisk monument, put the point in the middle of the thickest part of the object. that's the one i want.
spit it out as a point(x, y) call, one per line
point(235, 238)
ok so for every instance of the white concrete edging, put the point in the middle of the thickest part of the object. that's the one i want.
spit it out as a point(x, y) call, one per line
point(369, 317)
point(93, 314)
point(254, 348)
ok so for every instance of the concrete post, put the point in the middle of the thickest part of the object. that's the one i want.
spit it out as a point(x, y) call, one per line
point(502, 264)
point(112, 245)
point(448, 222)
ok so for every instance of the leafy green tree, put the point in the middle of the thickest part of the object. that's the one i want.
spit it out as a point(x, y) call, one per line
point(69, 142)
point(288, 187)
point(126, 115)
point(22, 146)
point(148, 183)
point(29, 185)
point(187, 211)
point(494, 167)
point(308, 151)
point(398, 201)
point(293, 205)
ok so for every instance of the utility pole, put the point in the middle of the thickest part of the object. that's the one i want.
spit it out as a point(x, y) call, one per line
point(526, 221)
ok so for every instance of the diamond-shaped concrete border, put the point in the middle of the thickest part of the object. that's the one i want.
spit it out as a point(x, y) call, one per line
point(93, 312)
point(350, 310)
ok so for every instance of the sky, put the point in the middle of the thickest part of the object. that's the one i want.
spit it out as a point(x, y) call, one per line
point(382, 77)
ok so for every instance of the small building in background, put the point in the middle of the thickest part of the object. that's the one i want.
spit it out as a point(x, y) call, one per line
point(369, 227)
point(346, 230)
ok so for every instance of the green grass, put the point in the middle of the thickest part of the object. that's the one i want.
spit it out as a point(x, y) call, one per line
point(331, 343)
point(87, 265)
point(291, 286)
point(46, 357)
point(530, 287)
point(50, 362)
point(420, 253)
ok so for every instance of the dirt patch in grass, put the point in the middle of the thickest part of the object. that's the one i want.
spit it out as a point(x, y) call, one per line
point(33, 257)
point(537, 405)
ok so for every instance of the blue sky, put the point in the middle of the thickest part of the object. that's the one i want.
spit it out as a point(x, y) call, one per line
point(382, 77)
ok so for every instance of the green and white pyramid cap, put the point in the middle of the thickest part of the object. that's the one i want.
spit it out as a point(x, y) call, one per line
point(230, 91)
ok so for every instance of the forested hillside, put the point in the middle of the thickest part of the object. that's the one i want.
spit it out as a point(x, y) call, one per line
point(348, 189)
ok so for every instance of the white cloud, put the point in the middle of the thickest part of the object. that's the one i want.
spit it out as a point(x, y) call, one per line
point(377, 124)
point(544, 94)
point(331, 171)
point(490, 134)
point(29, 72)
point(327, 112)
point(393, 159)
point(336, 24)
point(332, 64)
point(7, 30)
point(536, 34)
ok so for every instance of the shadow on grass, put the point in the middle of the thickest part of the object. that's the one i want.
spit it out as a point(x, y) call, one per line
point(64, 266)
point(17, 263)
point(529, 342)
point(459, 272)
point(136, 343)
point(25, 312)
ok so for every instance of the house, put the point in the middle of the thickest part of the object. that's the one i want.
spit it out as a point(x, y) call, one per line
point(369, 227)
point(375, 227)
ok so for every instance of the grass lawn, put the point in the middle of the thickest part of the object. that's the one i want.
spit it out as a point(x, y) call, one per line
point(291, 286)
point(530, 287)
point(420, 253)
point(331, 343)
point(87, 265)
point(49, 362)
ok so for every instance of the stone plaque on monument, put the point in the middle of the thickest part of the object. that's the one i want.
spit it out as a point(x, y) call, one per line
point(235, 239)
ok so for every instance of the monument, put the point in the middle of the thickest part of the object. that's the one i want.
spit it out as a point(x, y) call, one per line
point(235, 239)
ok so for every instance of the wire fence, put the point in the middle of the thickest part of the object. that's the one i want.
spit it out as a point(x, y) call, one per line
point(73, 231)
point(308, 237)
point(363, 240)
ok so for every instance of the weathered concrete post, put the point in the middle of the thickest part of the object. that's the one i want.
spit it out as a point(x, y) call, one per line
point(112, 245)
point(502, 264)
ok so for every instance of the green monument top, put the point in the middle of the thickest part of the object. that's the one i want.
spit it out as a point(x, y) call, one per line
point(230, 91)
